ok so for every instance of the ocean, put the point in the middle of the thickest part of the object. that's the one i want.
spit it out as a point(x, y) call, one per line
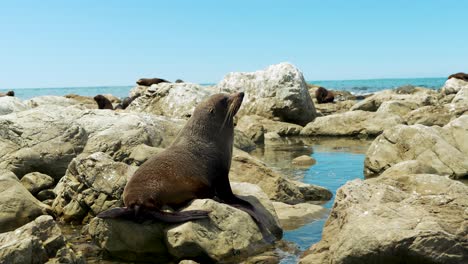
point(353, 86)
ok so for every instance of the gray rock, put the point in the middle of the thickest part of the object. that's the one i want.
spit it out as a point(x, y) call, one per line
point(91, 185)
point(35, 182)
point(170, 99)
point(400, 108)
point(333, 108)
point(444, 149)
point(50, 100)
point(462, 96)
point(17, 205)
point(453, 86)
point(9, 104)
point(420, 97)
point(304, 160)
point(415, 218)
point(249, 125)
point(278, 91)
point(354, 123)
point(37, 242)
point(141, 153)
point(294, 216)
point(229, 234)
point(47, 194)
point(438, 115)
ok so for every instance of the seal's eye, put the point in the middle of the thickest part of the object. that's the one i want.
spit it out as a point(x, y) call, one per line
point(224, 101)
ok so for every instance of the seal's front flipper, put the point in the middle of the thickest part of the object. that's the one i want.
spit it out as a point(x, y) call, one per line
point(118, 212)
point(178, 217)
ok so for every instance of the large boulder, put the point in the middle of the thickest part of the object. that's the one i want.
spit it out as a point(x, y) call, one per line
point(66, 132)
point(228, 235)
point(418, 96)
point(453, 86)
point(353, 123)
point(279, 91)
point(444, 149)
point(17, 205)
point(419, 218)
point(35, 182)
point(39, 241)
point(171, 99)
point(9, 104)
point(246, 168)
point(92, 184)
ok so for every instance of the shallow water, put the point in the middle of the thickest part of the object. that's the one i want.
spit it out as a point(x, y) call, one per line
point(338, 161)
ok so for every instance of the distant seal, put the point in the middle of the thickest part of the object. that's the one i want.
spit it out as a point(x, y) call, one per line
point(195, 166)
point(459, 75)
point(126, 102)
point(179, 81)
point(149, 82)
point(324, 96)
point(103, 102)
point(9, 93)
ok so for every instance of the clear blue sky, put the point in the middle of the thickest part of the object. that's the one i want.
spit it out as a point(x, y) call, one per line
point(92, 43)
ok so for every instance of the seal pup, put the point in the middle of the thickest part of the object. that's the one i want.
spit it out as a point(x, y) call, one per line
point(195, 166)
point(103, 102)
point(149, 82)
point(324, 96)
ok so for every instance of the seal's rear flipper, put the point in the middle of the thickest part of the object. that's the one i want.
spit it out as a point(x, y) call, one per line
point(118, 212)
point(178, 217)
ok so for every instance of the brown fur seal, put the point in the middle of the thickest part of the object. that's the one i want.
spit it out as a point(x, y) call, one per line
point(460, 75)
point(149, 82)
point(324, 96)
point(126, 102)
point(103, 102)
point(9, 93)
point(195, 165)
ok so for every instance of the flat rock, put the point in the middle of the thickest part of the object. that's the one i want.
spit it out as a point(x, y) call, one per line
point(437, 115)
point(294, 216)
point(304, 160)
point(352, 124)
point(9, 104)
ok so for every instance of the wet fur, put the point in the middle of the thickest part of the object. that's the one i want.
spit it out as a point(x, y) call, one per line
point(324, 96)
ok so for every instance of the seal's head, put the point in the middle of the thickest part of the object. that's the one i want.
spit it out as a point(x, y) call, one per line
point(10, 93)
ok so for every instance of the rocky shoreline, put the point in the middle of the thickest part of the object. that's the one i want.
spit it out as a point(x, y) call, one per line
point(62, 160)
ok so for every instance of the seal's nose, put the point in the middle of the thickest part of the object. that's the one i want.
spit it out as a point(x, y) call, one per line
point(241, 94)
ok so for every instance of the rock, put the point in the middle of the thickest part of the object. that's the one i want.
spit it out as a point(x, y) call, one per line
point(406, 89)
point(400, 108)
point(313, 192)
point(50, 100)
point(334, 108)
point(415, 218)
point(138, 91)
point(37, 242)
point(246, 168)
point(129, 240)
point(462, 96)
point(86, 101)
point(10, 104)
point(35, 182)
point(47, 194)
point(230, 234)
point(256, 126)
point(304, 160)
point(420, 97)
point(444, 149)
point(453, 85)
point(91, 185)
point(141, 153)
point(353, 123)
point(272, 136)
point(171, 99)
point(278, 91)
point(112, 98)
point(67, 132)
point(242, 141)
point(17, 205)
point(227, 235)
point(409, 167)
point(294, 216)
point(438, 115)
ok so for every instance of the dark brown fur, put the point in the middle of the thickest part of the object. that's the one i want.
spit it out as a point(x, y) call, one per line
point(324, 96)
point(9, 93)
point(103, 102)
point(196, 165)
point(149, 82)
point(460, 75)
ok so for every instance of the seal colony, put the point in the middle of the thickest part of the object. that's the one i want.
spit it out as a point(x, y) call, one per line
point(195, 166)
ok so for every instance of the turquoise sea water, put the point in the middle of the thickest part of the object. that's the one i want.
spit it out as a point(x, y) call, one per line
point(354, 86)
